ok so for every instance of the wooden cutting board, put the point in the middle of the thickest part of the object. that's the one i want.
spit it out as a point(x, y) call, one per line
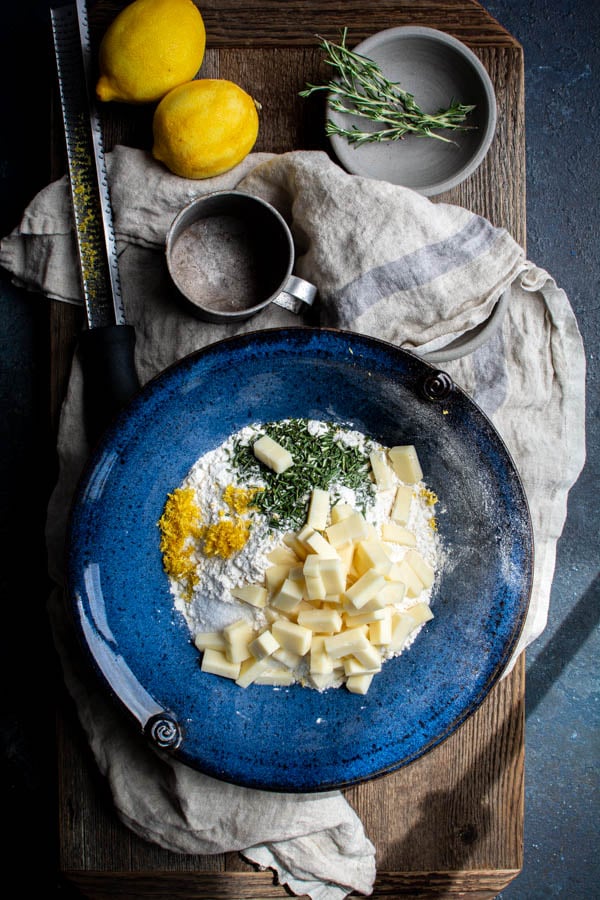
point(450, 824)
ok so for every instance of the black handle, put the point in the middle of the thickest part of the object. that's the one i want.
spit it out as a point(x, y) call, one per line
point(110, 378)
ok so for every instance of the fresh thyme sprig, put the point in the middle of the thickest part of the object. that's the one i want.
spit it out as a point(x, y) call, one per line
point(361, 89)
point(320, 460)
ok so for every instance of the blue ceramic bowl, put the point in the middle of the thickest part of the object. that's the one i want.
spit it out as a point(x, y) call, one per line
point(298, 739)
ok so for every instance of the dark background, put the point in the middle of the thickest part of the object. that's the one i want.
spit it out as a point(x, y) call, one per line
point(562, 59)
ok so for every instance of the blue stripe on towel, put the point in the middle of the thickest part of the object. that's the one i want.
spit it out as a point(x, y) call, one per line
point(413, 269)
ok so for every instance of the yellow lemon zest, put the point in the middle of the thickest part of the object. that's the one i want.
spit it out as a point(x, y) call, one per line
point(179, 525)
point(428, 496)
point(239, 499)
point(226, 537)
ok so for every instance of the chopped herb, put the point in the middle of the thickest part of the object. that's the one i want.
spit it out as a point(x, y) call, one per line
point(321, 460)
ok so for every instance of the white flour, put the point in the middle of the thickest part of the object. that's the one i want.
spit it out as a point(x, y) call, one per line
point(212, 606)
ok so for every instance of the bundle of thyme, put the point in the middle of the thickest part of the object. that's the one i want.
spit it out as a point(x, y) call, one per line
point(320, 461)
point(361, 89)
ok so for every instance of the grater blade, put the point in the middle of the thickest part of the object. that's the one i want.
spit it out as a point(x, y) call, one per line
point(87, 168)
point(107, 345)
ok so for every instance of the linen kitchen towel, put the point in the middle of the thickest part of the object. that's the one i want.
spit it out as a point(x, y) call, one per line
point(389, 263)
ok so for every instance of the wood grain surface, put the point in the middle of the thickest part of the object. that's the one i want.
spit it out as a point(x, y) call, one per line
point(450, 824)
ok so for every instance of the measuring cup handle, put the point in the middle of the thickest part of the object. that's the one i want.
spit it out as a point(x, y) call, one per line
point(296, 294)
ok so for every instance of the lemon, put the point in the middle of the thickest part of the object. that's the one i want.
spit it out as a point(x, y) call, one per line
point(204, 127)
point(150, 48)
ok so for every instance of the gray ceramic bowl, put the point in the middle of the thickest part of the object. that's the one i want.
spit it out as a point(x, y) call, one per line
point(437, 69)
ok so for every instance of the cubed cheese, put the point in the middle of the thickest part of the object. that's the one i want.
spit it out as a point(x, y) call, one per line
point(320, 661)
point(295, 545)
point(397, 534)
point(383, 475)
point(276, 677)
point(282, 556)
point(292, 636)
point(272, 454)
point(287, 658)
point(288, 596)
point(365, 588)
point(216, 663)
point(275, 576)
point(365, 618)
point(371, 554)
point(318, 509)
point(254, 594)
point(322, 621)
point(401, 506)
point(346, 643)
point(316, 543)
point(420, 567)
point(405, 463)
point(380, 633)
point(250, 669)
point(209, 640)
point(353, 667)
point(237, 637)
point(352, 528)
point(359, 684)
point(263, 645)
point(406, 574)
point(340, 511)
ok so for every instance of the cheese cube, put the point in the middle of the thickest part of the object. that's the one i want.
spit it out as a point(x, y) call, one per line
point(209, 640)
point(365, 588)
point(237, 637)
point(329, 571)
point(405, 463)
point(371, 555)
point(420, 612)
point(320, 661)
point(369, 656)
point(346, 555)
point(318, 510)
point(316, 543)
point(315, 588)
point(320, 682)
point(250, 669)
point(323, 621)
point(272, 454)
point(365, 618)
point(346, 643)
point(391, 593)
point(340, 511)
point(380, 633)
point(254, 594)
point(292, 636)
point(216, 663)
point(352, 528)
point(420, 567)
point(359, 684)
point(287, 658)
point(276, 677)
point(353, 667)
point(295, 544)
point(401, 506)
point(275, 576)
point(263, 645)
point(288, 596)
point(396, 534)
point(282, 556)
point(384, 477)
point(407, 575)
point(404, 623)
